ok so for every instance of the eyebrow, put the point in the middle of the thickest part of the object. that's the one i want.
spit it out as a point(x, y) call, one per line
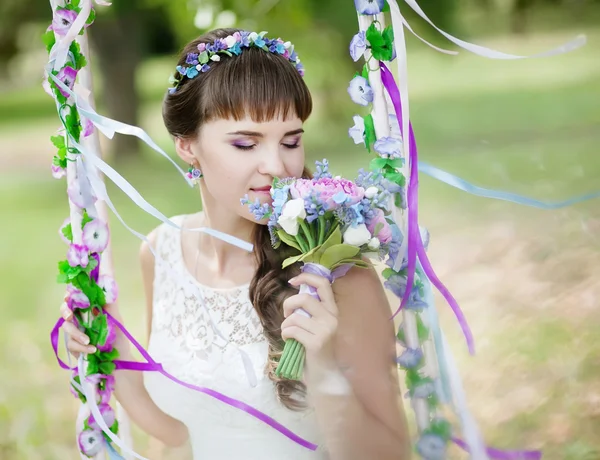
point(257, 134)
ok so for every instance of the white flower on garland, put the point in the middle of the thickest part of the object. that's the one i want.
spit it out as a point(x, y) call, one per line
point(357, 236)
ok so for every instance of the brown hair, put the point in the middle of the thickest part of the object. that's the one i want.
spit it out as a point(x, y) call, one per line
point(261, 85)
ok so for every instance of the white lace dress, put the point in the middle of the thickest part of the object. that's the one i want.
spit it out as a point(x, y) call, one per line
point(213, 338)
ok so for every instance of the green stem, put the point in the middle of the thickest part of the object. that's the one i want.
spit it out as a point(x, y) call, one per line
point(322, 224)
point(297, 370)
point(286, 365)
point(307, 233)
point(294, 367)
point(302, 243)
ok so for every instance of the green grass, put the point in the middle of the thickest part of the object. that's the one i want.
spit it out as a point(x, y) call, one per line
point(532, 127)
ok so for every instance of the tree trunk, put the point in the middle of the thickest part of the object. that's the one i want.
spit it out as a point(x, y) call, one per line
point(117, 50)
point(519, 12)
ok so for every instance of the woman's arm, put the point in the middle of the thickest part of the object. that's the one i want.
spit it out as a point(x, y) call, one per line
point(365, 420)
point(129, 385)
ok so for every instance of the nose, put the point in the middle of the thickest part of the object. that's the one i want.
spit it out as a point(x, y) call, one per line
point(272, 163)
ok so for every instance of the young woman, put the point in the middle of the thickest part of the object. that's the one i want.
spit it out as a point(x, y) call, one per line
point(218, 316)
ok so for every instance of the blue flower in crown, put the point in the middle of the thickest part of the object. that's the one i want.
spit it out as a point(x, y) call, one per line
point(369, 6)
point(192, 59)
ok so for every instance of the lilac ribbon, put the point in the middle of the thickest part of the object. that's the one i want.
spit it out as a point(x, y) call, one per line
point(320, 270)
point(415, 244)
point(153, 366)
point(503, 454)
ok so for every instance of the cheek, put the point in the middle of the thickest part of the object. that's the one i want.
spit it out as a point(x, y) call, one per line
point(295, 164)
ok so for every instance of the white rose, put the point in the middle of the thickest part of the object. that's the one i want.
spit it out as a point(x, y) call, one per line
point(215, 57)
point(230, 41)
point(374, 243)
point(357, 236)
point(371, 192)
point(287, 45)
point(291, 212)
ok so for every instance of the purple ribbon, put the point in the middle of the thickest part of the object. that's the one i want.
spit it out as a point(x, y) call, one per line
point(503, 454)
point(415, 243)
point(152, 365)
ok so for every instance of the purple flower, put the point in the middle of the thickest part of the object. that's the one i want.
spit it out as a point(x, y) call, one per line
point(88, 126)
point(397, 284)
point(322, 169)
point(389, 147)
point(325, 189)
point(76, 298)
point(58, 172)
point(110, 338)
point(192, 58)
point(204, 68)
point(431, 447)
point(358, 46)
point(75, 195)
point(369, 6)
point(107, 414)
point(201, 47)
point(62, 21)
point(78, 255)
point(411, 358)
point(95, 273)
point(95, 235)
point(91, 442)
point(357, 132)
point(360, 91)
point(67, 76)
point(105, 386)
point(423, 390)
point(111, 290)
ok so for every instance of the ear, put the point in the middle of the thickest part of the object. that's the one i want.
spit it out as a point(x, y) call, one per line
point(185, 149)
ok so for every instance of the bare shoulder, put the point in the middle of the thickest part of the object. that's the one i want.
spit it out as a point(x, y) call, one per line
point(361, 285)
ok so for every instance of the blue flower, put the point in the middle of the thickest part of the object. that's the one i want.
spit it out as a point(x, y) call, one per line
point(411, 358)
point(358, 218)
point(205, 68)
point(191, 72)
point(415, 302)
point(260, 42)
point(357, 132)
point(236, 49)
point(340, 198)
point(245, 41)
point(423, 390)
point(431, 447)
point(280, 196)
point(192, 58)
point(358, 46)
point(369, 6)
point(322, 170)
point(389, 147)
point(280, 48)
point(182, 70)
point(396, 283)
point(360, 91)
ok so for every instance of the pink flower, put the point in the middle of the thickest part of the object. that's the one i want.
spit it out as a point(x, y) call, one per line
point(74, 193)
point(95, 235)
point(76, 298)
point(88, 126)
point(91, 442)
point(111, 289)
point(385, 233)
point(58, 172)
point(107, 414)
point(105, 390)
point(67, 75)
point(63, 20)
point(325, 189)
point(78, 255)
point(202, 47)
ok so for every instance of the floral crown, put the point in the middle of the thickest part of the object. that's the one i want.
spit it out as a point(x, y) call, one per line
point(198, 63)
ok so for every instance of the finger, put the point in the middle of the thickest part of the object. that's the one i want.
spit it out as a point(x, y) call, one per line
point(66, 312)
point(75, 334)
point(301, 335)
point(305, 301)
point(321, 284)
point(75, 348)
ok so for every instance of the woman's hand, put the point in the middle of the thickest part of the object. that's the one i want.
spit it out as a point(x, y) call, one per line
point(317, 332)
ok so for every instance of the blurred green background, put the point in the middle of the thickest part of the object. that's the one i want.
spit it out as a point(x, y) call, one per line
point(528, 280)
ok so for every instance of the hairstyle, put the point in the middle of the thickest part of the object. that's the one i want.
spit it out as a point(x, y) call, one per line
point(261, 85)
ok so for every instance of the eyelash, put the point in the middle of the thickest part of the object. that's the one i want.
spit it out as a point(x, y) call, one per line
point(250, 147)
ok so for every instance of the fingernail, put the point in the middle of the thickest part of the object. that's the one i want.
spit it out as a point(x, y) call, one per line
point(292, 280)
point(92, 349)
point(85, 339)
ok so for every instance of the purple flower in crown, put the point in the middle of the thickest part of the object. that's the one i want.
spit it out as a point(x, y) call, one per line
point(388, 147)
point(67, 76)
point(204, 68)
point(62, 21)
point(91, 442)
point(358, 45)
point(244, 38)
point(76, 298)
point(300, 68)
point(95, 235)
point(192, 59)
point(369, 6)
point(78, 255)
point(360, 91)
point(431, 447)
point(411, 358)
point(107, 414)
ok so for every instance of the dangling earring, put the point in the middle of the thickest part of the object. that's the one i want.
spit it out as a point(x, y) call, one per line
point(194, 174)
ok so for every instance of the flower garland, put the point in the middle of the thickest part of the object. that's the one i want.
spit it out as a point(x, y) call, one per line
point(87, 236)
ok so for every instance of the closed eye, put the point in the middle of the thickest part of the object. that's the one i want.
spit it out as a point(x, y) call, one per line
point(244, 147)
point(292, 146)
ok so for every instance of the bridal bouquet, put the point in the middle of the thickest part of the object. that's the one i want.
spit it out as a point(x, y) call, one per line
point(332, 223)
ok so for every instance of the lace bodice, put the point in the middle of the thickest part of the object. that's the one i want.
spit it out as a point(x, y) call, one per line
point(213, 337)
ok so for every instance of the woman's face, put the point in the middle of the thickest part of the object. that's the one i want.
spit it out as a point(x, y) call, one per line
point(243, 157)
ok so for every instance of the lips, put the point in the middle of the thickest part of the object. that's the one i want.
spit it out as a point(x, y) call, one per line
point(262, 189)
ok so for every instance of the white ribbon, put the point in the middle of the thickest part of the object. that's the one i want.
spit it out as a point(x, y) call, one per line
point(59, 51)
